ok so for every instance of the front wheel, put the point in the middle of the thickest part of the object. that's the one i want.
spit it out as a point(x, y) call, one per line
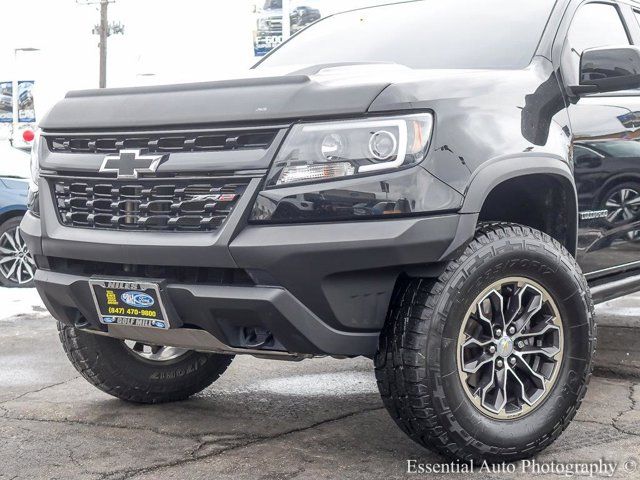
point(137, 372)
point(491, 360)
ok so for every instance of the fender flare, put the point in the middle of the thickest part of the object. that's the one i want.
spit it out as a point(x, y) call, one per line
point(504, 168)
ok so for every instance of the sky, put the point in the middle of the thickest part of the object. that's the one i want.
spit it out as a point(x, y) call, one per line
point(178, 41)
point(165, 41)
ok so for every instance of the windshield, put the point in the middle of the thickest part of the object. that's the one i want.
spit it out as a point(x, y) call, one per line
point(424, 34)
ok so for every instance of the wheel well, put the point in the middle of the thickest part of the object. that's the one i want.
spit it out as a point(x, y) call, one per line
point(11, 214)
point(541, 201)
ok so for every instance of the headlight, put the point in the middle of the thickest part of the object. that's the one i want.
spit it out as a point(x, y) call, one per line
point(35, 163)
point(331, 150)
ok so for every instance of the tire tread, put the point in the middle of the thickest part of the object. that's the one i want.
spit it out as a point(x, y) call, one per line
point(87, 362)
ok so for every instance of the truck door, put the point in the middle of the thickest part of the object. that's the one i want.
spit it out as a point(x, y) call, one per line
point(606, 146)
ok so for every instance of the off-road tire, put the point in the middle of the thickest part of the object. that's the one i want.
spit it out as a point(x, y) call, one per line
point(416, 364)
point(114, 368)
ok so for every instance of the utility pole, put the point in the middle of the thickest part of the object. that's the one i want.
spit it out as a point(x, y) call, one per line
point(104, 30)
point(104, 33)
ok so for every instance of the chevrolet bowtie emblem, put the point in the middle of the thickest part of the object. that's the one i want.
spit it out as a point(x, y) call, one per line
point(129, 163)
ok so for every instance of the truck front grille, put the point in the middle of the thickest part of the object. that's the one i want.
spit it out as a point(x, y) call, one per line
point(146, 204)
point(164, 142)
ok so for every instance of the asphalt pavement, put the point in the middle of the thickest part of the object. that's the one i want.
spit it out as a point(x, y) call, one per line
point(263, 419)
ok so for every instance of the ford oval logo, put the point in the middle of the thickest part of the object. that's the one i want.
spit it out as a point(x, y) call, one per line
point(137, 299)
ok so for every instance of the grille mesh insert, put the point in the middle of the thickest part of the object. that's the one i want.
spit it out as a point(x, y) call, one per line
point(157, 204)
point(170, 142)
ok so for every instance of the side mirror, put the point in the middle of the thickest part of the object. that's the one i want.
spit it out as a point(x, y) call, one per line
point(609, 69)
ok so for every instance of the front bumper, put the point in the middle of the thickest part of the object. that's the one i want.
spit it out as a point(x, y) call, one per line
point(318, 289)
point(221, 311)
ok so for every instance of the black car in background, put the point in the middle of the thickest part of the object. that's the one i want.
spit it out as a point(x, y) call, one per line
point(302, 16)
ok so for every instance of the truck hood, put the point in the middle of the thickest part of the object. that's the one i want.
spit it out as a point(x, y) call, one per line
point(265, 95)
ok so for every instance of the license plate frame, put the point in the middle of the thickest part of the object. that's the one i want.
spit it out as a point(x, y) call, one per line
point(131, 302)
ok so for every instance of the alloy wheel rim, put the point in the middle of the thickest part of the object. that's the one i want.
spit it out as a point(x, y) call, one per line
point(16, 263)
point(624, 205)
point(510, 348)
point(155, 353)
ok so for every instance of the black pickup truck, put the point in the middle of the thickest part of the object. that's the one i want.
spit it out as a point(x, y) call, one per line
point(445, 187)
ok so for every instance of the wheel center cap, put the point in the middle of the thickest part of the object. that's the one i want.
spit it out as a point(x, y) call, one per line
point(504, 347)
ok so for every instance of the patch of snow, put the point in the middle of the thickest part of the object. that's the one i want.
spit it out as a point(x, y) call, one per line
point(21, 302)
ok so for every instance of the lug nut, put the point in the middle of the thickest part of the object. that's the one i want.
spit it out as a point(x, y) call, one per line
point(492, 349)
point(498, 332)
point(512, 360)
point(512, 330)
point(520, 344)
point(500, 363)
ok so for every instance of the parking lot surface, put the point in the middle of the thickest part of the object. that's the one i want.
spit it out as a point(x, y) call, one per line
point(267, 419)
